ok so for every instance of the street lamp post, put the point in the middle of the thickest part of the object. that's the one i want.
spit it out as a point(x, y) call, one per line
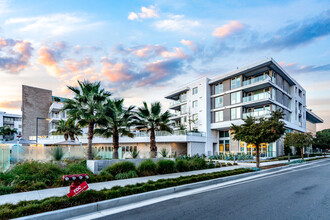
point(37, 128)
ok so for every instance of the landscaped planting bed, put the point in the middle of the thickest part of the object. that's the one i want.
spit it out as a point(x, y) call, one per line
point(30, 176)
point(25, 208)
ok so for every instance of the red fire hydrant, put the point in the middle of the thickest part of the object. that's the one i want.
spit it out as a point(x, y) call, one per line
point(76, 188)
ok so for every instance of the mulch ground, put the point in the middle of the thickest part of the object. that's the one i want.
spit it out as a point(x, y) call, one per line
point(273, 166)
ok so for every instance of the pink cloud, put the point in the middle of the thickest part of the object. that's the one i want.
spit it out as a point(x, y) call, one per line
point(228, 29)
point(11, 104)
point(145, 13)
point(14, 55)
point(50, 58)
point(116, 72)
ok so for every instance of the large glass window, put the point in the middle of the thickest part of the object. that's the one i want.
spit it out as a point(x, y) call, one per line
point(235, 97)
point(218, 88)
point(195, 117)
point(223, 134)
point(236, 82)
point(218, 102)
point(183, 97)
point(223, 145)
point(235, 113)
point(195, 90)
point(184, 108)
point(218, 116)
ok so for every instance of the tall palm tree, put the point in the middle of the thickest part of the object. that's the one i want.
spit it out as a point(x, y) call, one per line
point(117, 121)
point(7, 133)
point(69, 129)
point(153, 120)
point(85, 107)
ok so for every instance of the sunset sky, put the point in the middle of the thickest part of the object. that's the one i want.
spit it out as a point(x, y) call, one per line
point(141, 50)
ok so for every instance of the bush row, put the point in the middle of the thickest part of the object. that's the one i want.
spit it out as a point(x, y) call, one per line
point(25, 208)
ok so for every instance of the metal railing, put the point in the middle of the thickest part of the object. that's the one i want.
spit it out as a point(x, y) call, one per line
point(256, 113)
point(177, 102)
point(136, 134)
point(256, 80)
point(265, 95)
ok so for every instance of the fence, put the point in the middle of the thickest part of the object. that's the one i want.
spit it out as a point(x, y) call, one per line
point(4, 157)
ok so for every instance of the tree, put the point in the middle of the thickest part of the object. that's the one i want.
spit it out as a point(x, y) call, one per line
point(62, 129)
point(153, 120)
point(260, 130)
point(68, 128)
point(86, 107)
point(322, 140)
point(116, 121)
point(7, 133)
point(298, 140)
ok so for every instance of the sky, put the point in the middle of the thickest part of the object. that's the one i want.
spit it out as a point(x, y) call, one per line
point(142, 50)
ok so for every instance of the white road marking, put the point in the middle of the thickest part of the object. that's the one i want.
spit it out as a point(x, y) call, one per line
point(132, 206)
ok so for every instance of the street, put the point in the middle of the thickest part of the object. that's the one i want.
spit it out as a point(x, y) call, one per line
point(302, 193)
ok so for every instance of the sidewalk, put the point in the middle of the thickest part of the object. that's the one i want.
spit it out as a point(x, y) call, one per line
point(61, 191)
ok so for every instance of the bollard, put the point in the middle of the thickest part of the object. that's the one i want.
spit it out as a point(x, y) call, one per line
point(289, 157)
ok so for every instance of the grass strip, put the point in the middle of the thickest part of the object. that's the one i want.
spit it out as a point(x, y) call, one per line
point(24, 208)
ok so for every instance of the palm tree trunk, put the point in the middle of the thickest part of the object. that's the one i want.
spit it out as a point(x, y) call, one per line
point(153, 147)
point(115, 141)
point(257, 156)
point(90, 138)
point(302, 153)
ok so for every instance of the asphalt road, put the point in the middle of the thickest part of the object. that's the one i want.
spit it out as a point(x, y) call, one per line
point(302, 194)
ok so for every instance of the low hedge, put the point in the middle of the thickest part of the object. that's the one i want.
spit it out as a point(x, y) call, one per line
point(182, 165)
point(147, 168)
point(25, 208)
point(165, 166)
point(121, 167)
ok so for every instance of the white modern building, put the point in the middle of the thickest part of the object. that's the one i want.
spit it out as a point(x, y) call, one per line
point(55, 113)
point(211, 105)
point(12, 121)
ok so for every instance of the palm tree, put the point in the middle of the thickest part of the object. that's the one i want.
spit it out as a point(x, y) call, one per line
point(69, 129)
point(85, 107)
point(153, 120)
point(7, 133)
point(117, 121)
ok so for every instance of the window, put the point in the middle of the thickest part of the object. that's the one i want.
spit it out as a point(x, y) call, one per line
point(235, 113)
point(195, 117)
point(183, 97)
point(218, 102)
point(218, 88)
point(218, 116)
point(195, 104)
point(223, 134)
point(184, 109)
point(235, 97)
point(236, 82)
point(195, 90)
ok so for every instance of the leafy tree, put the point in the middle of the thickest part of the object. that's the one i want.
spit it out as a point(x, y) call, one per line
point(298, 140)
point(117, 120)
point(260, 130)
point(153, 120)
point(86, 107)
point(62, 129)
point(7, 133)
point(322, 140)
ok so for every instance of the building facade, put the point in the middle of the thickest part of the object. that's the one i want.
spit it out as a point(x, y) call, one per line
point(13, 121)
point(212, 105)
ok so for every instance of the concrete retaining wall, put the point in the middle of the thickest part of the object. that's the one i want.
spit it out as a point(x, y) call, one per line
point(97, 165)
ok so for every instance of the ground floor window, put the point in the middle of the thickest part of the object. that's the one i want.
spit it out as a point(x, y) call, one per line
point(224, 146)
point(266, 150)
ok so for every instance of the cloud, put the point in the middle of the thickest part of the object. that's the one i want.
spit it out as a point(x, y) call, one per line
point(54, 24)
point(299, 33)
point(192, 45)
point(295, 68)
point(79, 65)
point(176, 23)
point(14, 104)
point(145, 13)
point(116, 72)
point(14, 55)
point(51, 56)
point(227, 30)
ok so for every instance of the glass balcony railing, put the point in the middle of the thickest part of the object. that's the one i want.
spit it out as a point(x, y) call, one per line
point(256, 80)
point(265, 95)
point(256, 113)
point(177, 102)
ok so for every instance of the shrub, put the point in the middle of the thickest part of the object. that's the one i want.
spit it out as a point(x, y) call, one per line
point(182, 165)
point(223, 164)
point(229, 164)
point(129, 174)
point(135, 153)
point(77, 168)
point(147, 168)
point(57, 153)
point(165, 166)
point(211, 165)
point(235, 163)
point(37, 185)
point(6, 190)
point(164, 152)
point(121, 167)
point(197, 164)
point(217, 164)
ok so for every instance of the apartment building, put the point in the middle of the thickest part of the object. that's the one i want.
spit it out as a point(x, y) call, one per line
point(211, 105)
point(12, 121)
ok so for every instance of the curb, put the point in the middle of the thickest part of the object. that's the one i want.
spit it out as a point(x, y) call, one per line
point(102, 205)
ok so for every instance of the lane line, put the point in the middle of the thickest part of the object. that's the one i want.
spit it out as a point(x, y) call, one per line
point(141, 204)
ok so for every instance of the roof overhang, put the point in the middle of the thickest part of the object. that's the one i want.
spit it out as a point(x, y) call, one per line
point(176, 94)
point(263, 65)
point(312, 117)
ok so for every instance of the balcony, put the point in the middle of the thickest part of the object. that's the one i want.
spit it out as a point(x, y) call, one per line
point(256, 97)
point(256, 114)
point(56, 107)
point(257, 79)
point(177, 102)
